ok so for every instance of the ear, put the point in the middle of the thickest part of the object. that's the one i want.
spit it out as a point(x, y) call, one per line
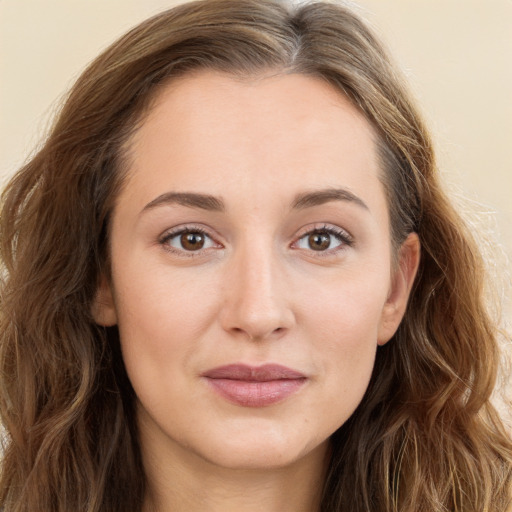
point(103, 308)
point(402, 280)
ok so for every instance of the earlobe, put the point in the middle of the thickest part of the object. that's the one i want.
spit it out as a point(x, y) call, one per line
point(401, 285)
point(103, 307)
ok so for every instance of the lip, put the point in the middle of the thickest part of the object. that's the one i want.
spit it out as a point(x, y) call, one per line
point(254, 386)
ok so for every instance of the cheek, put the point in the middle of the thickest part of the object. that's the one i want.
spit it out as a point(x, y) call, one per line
point(347, 309)
point(154, 296)
point(160, 319)
point(347, 345)
point(343, 323)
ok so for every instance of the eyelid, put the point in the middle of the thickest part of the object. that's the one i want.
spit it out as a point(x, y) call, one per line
point(187, 228)
point(347, 240)
point(342, 234)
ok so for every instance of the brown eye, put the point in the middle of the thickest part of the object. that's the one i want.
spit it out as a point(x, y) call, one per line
point(188, 240)
point(324, 240)
point(319, 241)
point(192, 241)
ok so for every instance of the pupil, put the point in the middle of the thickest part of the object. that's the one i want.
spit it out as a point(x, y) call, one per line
point(192, 241)
point(319, 241)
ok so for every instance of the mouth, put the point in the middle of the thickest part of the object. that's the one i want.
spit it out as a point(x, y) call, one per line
point(254, 386)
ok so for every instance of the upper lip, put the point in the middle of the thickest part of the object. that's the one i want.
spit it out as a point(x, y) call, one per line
point(244, 372)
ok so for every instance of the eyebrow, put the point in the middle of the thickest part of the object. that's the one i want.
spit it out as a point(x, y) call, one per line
point(214, 204)
point(319, 197)
point(191, 199)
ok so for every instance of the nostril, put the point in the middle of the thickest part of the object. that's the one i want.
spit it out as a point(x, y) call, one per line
point(252, 334)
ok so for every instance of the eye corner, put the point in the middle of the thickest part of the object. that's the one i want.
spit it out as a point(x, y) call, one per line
point(188, 241)
point(324, 235)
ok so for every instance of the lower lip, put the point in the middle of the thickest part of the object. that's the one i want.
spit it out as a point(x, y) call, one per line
point(256, 394)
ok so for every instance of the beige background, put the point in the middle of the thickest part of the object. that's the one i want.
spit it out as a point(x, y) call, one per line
point(456, 53)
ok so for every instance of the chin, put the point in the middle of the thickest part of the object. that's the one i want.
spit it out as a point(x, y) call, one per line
point(261, 449)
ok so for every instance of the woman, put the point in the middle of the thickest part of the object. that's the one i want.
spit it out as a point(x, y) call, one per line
point(233, 282)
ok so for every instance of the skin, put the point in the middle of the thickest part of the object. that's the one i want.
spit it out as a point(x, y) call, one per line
point(257, 291)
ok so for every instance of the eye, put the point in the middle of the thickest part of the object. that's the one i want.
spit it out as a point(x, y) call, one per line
point(188, 240)
point(324, 239)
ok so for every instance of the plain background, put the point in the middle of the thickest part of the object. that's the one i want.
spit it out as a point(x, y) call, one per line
point(457, 55)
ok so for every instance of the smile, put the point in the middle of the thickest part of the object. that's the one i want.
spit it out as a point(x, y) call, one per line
point(251, 386)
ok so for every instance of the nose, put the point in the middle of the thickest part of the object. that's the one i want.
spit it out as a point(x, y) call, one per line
point(257, 300)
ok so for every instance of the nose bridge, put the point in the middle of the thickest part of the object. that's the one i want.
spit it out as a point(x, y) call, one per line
point(256, 302)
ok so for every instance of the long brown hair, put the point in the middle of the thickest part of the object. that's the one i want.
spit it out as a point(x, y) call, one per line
point(424, 438)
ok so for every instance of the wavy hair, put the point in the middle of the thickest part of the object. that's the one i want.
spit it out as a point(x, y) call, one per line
point(425, 437)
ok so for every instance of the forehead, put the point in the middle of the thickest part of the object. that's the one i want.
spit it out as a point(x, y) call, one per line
point(211, 132)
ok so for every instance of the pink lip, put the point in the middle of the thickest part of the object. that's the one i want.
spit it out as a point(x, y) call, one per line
point(254, 386)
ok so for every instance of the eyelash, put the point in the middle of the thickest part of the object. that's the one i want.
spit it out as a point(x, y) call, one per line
point(345, 239)
point(179, 231)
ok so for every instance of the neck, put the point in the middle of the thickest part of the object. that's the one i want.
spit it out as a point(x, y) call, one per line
point(191, 484)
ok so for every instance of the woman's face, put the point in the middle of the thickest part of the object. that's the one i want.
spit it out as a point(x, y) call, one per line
point(251, 268)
